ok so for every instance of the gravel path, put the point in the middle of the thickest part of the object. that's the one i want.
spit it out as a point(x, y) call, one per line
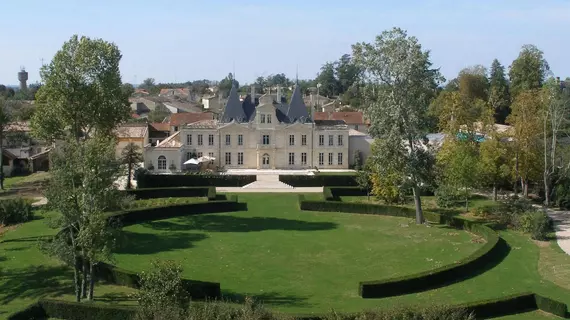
point(562, 227)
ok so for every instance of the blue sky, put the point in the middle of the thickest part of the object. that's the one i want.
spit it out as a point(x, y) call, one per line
point(182, 40)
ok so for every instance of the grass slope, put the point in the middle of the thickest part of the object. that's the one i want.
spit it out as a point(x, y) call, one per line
point(292, 260)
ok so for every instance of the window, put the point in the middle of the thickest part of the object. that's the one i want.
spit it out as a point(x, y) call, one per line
point(304, 140)
point(240, 158)
point(356, 127)
point(340, 141)
point(228, 158)
point(321, 140)
point(268, 118)
point(188, 155)
point(265, 139)
point(339, 158)
point(199, 155)
point(262, 118)
point(330, 159)
point(211, 140)
point(304, 158)
point(200, 139)
point(291, 139)
point(162, 163)
point(228, 140)
point(291, 158)
point(175, 128)
point(211, 155)
point(331, 140)
point(321, 158)
point(189, 139)
point(265, 159)
point(240, 139)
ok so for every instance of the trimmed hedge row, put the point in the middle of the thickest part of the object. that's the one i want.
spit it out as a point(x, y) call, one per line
point(334, 193)
point(423, 280)
point(134, 216)
point(193, 180)
point(197, 289)
point(319, 180)
point(364, 208)
point(173, 192)
point(509, 305)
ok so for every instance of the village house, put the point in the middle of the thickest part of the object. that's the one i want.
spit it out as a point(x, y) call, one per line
point(354, 120)
point(21, 152)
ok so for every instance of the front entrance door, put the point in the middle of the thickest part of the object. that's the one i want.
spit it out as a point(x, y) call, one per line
point(265, 161)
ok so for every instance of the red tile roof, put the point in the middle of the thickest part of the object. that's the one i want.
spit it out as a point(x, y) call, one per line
point(135, 116)
point(160, 126)
point(178, 119)
point(354, 117)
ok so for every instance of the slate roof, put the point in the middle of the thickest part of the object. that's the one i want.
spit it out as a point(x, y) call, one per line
point(244, 111)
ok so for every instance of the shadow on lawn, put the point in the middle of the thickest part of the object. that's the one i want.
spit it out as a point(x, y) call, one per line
point(227, 223)
point(268, 298)
point(115, 298)
point(34, 282)
point(149, 243)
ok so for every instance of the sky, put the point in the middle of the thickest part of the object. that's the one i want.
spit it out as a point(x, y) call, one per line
point(182, 40)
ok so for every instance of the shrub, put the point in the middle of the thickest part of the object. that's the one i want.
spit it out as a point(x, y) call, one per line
point(85, 311)
point(387, 187)
point(319, 180)
point(160, 290)
point(407, 313)
point(13, 211)
point(537, 223)
point(447, 197)
point(34, 311)
point(193, 180)
point(513, 304)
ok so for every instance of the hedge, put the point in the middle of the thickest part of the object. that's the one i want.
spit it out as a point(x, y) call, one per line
point(86, 311)
point(334, 193)
point(134, 216)
point(193, 180)
point(503, 306)
point(364, 208)
point(33, 311)
point(424, 280)
point(197, 289)
point(319, 180)
point(173, 192)
point(551, 306)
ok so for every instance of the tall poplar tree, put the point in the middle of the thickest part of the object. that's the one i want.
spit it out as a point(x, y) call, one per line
point(499, 94)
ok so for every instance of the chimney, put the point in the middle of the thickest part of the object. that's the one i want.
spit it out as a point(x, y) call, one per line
point(278, 94)
point(252, 94)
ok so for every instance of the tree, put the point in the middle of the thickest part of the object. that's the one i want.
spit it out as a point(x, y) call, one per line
point(161, 291)
point(528, 71)
point(128, 89)
point(147, 84)
point(556, 110)
point(159, 113)
point(499, 94)
point(347, 73)
point(473, 83)
point(261, 84)
point(399, 84)
point(226, 85)
point(81, 189)
point(131, 156)
point(494, 161)
point(327, 79)
point(5, 119)
point(82, 91)
point(527, 120)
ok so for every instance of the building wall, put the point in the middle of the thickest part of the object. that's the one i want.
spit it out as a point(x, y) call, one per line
point(123, 142)
point(362, 144)
point(172, 155)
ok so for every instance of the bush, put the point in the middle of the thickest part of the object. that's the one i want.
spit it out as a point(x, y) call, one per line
point(13, 211)
point(319, 180)
point(513, 304)
point(85, 311)
point(538, 224)
point(175, 192)
point(34, 311)
point(448, 197)
point(193, 180)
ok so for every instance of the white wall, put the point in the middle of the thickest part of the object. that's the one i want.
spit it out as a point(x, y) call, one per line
point(362, 144)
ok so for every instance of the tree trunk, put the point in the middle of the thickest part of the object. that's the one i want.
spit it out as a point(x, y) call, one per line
point(466, 199)
point(85, 271)
point(524, 183)
point(495, 192)
point(418, 203)
point(91, 282)
point(76, 280)
point(129, 176)
point(516, 187)
point(2, 159)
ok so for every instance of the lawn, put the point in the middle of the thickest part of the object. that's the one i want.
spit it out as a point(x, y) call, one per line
point(18, 181)
point(237, 248)
point(293, 260)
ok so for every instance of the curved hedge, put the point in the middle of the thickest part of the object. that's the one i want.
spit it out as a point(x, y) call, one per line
point(319, 180)
point(193, 180)
point(423, 280)
point(509, 305)
point(173, 192)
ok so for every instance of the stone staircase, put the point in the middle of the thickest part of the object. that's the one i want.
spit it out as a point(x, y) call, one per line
point(267, 181)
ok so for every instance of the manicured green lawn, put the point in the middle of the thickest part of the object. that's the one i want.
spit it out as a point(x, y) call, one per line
point(293, 260)
point(11, 182)
point(535, 315)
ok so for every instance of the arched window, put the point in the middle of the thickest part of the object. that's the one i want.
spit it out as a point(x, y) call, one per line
point(162, 163)
point(265, 159)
